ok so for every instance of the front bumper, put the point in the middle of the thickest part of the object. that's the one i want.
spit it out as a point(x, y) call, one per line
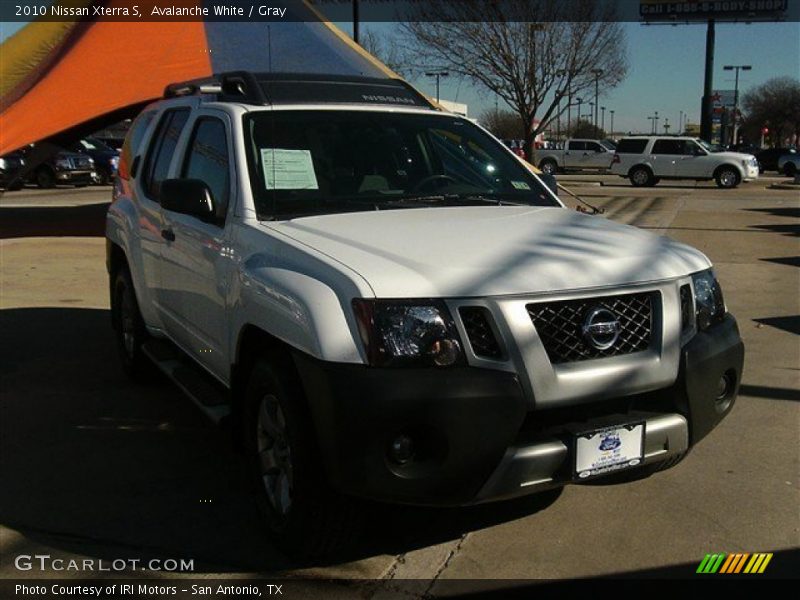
point(75, 177)
point(474, 437)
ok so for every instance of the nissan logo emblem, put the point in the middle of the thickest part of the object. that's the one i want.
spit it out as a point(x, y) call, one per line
point(601, 328)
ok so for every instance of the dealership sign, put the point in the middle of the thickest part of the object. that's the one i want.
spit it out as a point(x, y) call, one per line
point(695, 10)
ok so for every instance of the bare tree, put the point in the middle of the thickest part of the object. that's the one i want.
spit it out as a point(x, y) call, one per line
point(776, 105)
point(551, 51)
point(504, 124)
point(385, 49)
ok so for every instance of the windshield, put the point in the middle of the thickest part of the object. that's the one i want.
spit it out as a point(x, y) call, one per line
point(93, 144)
point(709, 147)
point(316, 162)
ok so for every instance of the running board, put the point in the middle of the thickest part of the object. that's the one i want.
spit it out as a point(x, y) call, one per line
point(207, 393)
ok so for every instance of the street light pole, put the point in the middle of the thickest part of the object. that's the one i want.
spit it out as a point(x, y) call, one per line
point(597, 73)
point(437, 75)
point(736, 68)
point(657, 120)
point(355, 21)
point(666, 125)
point(603, 121)
point(612, 123)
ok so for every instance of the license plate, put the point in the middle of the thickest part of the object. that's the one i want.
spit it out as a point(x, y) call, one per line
point(609, 449)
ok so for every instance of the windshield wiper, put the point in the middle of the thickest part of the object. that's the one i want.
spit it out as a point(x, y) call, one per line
point(447, 198)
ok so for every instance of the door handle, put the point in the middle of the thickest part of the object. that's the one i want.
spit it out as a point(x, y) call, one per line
point(168, 235)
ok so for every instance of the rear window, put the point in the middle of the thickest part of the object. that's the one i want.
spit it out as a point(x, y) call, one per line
point(631, 146)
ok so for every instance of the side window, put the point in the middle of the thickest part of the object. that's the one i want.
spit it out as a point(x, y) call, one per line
point(690, 148)
point(577, 146)
point(594, 147)
point(668, 147)
point(161, 150)
point(132, 142)
point(207, 160)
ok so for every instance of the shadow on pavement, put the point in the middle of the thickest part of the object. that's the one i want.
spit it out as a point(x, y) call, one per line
point(95, 465)
point(778, 211)
point(761, 391)
point(79, 221)
point(791, 261)
point(790, 324)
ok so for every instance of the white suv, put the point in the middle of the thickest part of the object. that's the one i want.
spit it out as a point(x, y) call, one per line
point(648, 160)
point(383, 301)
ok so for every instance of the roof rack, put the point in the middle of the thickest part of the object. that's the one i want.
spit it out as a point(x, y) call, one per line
point(294, 88)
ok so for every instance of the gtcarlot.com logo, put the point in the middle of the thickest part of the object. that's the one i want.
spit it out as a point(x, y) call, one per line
point(44, 562)
point(731, 564)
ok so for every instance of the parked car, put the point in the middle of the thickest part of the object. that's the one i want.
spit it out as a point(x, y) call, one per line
point(112, 142)
point(69, 168)
point(106, 159)
point(646, 160)
point(768, 158)
point(789, 164)
point(382, 301)
point(575, 155)
point(10, 166)
point(517, 147)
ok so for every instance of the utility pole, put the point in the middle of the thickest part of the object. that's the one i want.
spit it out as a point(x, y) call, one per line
point(597, 73)
point(355, 21)
point(708, 86)
point(437, 75)
point(666, 125)
point(603, 121)
point(657, 120)
point(680, 124)
point(612, 123)
point(736, 68)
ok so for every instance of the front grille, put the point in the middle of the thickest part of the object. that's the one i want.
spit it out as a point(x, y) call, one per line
point(560, 326)
point(80, 162)
point(479, 331)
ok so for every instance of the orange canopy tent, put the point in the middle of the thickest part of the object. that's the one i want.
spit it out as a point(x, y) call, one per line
point(62, 80)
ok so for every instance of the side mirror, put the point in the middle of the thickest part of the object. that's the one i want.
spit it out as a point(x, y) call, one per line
point(188, 197)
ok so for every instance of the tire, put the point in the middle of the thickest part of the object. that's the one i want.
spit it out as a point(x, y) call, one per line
point(45, 178)
point(727, 177)
point(304, 517)
point(641, 177)
point(790, 169)
point(548, 166)
point(129, 328)
point(15, 186)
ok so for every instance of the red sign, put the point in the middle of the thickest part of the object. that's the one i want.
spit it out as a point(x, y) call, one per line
point(764, 130)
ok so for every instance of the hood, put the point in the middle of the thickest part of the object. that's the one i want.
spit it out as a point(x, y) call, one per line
point(490, 251)
point(736, 156)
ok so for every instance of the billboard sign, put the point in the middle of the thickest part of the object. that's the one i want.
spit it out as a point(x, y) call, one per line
point(722, 10)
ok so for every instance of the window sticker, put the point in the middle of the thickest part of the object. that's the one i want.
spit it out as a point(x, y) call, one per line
point(520, 185)
point(288, 169)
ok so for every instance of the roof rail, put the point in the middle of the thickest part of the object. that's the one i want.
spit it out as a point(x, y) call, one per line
point(287, 88)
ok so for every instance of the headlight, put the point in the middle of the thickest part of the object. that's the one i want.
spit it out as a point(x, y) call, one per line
point(2, 163)
point(408, 333)
point(114, 161)
point(91, 160)
point(708, 302)
point(63, 164)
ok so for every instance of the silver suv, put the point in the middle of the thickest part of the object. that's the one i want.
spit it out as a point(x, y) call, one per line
point(648, 160)
point(383, 301)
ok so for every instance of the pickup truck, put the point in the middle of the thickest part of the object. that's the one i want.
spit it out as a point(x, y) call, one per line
point(381, 301)
point(575, 155)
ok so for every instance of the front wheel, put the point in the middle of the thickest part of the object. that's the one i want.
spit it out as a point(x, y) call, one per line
point(727, 178)
point(548, 167)
point(641, 177)
point(304, 516)
point(45, 178)
point(790, 169)
point(129, 328)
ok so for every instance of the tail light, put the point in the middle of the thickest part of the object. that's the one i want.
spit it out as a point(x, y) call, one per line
point(616, 160)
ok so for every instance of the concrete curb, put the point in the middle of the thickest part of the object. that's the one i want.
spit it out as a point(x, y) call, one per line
point(783, 186)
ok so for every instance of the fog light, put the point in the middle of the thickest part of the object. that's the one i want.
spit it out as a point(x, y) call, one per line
point(723, 387)
point(402, 449)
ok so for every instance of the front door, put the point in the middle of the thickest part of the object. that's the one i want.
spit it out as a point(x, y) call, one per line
point(197, 263)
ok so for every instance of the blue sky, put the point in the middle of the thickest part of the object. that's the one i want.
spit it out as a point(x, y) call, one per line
point(666, 68)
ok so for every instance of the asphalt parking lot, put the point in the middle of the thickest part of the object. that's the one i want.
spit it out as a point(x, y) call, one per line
point(93, 466)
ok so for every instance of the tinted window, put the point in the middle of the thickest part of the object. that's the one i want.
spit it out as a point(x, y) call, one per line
point(577, 146)
point(207, 160)
point(132, 142)
point(594, 147)
point(668, 147)
point(162, 149)
point(311, 162)
point(631, 146)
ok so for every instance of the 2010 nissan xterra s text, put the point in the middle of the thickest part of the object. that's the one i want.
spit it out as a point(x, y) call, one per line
point(385, 302)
